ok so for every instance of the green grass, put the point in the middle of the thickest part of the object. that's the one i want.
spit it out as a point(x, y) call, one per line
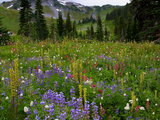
point(47, 10)
point(119, 73)
point(10, 19)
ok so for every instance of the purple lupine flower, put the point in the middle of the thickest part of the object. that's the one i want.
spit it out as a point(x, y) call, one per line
point(37, 117)
point(76, 114)
point(42, 102)
point(95, 114)
point(63, 116)
point(117, 111)
point(48, 73)
point(3, 94)
point(68, 75)
point(1, 108)
point(72, 91)
point(35, 112)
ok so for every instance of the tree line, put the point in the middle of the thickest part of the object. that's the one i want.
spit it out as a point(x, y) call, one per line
point(138, 21)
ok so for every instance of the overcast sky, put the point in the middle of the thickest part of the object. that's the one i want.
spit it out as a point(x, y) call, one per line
point(95, 2)
point(102, 2)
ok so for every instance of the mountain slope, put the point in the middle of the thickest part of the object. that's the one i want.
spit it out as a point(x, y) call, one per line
point(52, 7)
point(9, 19)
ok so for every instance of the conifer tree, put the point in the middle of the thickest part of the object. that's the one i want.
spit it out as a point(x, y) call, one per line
point(60, 25)
point(106, 34)
point(52, 33)
point(40, 22)
point(74, 29)
point(4, 36)
point(68, 24)
point(88, 33)
point(25, 18)
point(92, 32)
point(99, 32)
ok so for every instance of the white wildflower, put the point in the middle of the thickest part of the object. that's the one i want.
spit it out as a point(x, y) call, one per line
point(21, 95)
point(131, 101)
point(2, 78)
point(46, 106)
point(127, 107)
point(136, 99)
point(39, 70)
point(31, 103)
point(156, 104)
point(88, 82)
point(153, 113)
point(124, 94)
point(7, 98)
point(26, 109)
point(142, 108)
point(23, 81)
point(147, 100)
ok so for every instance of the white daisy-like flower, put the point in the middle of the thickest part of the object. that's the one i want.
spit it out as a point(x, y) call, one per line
point(22, 81)
point(2, 78)
point(127, 107)
point(124, 94)
point(7, 98)
point(31, 103)
point(136, 99)
point(153, 113)
point(131, 101)
point(21, 94)
point(156, 104)
point(26, 109)
point(46, 106)
point(88, 82)
point(147, 99)
point(142, 108)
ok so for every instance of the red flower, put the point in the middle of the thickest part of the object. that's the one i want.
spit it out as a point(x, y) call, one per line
point(84, 71)
point(13, 50)
point(72, 76)
point(148, 104)
point(138, 108)
point(93, 85)
point(84, 78)
point(116, 67)
point(100, 91)
point(71, 61)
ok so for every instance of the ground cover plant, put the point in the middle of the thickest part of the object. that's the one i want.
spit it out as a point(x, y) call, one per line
point(80, 80)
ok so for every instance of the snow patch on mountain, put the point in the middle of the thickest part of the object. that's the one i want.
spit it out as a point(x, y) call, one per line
point(9, 6)
point(5, 1)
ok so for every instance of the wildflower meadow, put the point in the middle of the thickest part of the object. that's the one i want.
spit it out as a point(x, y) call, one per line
point(75, 80)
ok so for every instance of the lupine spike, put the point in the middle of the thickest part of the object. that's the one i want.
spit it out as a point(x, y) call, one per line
point(85, 94)
point(80, 90)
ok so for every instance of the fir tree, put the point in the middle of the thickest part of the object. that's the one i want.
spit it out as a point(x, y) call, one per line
point(106, 34)
point(99, 32)
point(4, 36)
point(25, 18)
point(68, 24)
point(60, 25)
point(52, 33)
point(92, 32)
point(88, 33)
point(74, 29)
point(40, 22)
